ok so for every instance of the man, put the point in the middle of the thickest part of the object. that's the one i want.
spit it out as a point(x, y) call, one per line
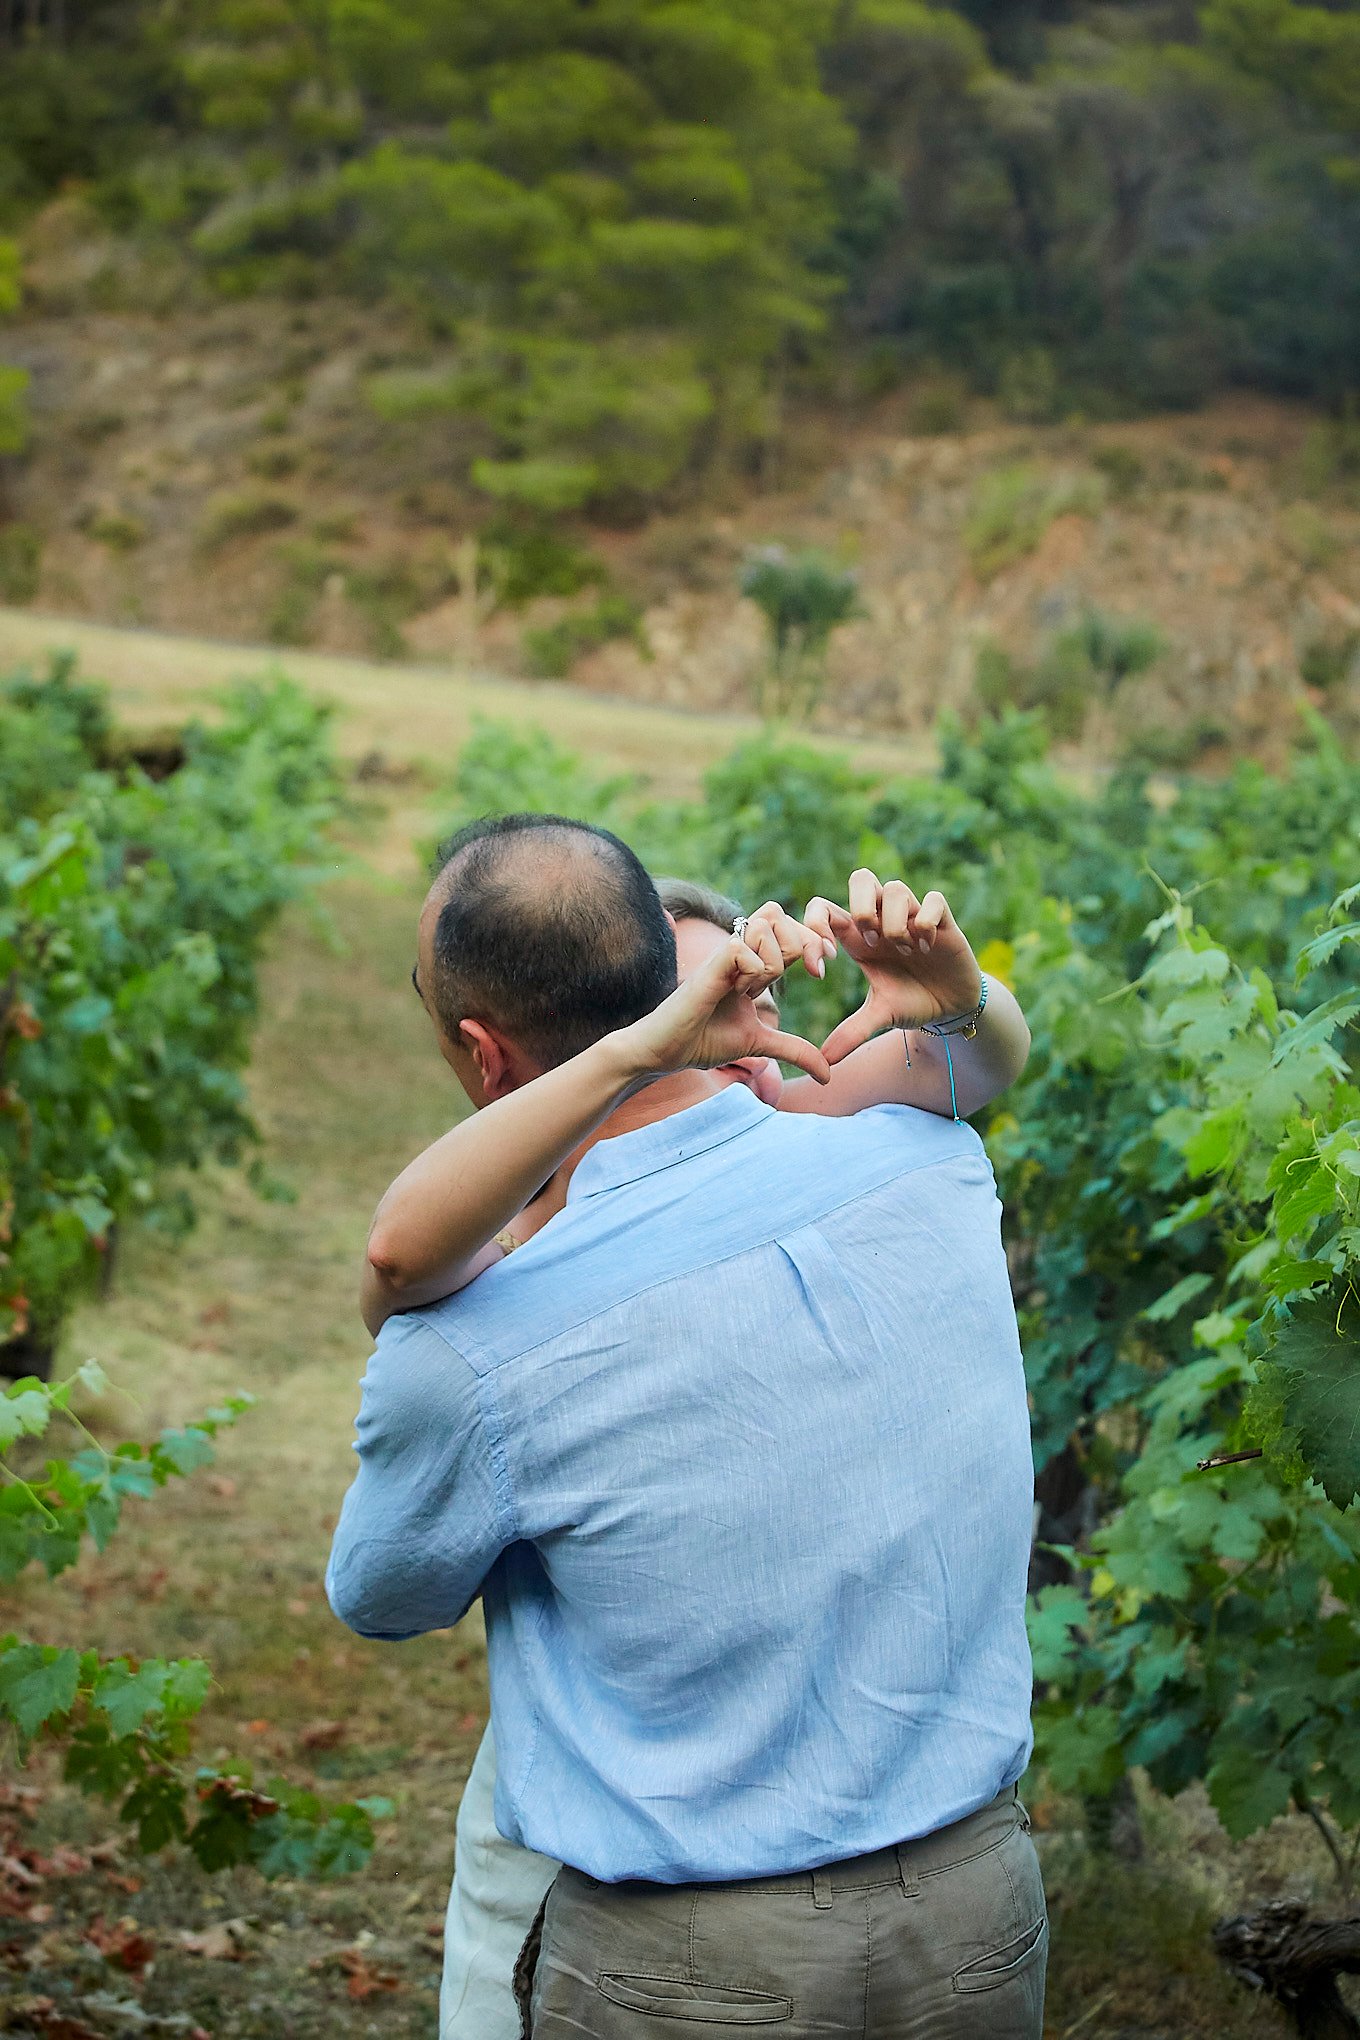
point(736, 1450)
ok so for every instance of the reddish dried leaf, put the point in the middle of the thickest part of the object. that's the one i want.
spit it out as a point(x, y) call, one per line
point(123, 1944)
point(323, 1735)
point(364, 1980)
point(42, 2015)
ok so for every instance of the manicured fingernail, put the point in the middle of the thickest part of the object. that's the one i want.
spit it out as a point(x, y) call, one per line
point(871, 936)
point(819, 967)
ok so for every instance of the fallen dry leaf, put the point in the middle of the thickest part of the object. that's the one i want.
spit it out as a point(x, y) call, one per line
point(364, 1980)
point(226, 1941)
point(125, 1945)
point(42, 2015)
point(323, 1735)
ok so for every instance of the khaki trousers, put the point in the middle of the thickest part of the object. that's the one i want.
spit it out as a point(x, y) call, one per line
point(945, 1938)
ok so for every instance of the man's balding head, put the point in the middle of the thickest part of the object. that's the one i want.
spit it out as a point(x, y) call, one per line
point(546, 930)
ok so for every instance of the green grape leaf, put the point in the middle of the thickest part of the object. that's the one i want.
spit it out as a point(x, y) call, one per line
point(187, 1450)
point(1081, 1750)
point(1173, 1302)
point(1051, 1617)
point(1247, 1791)
point(1311, 1192)
point(1319, 1358)
point(127, 1696)
point(103, 1763)
point(38, 1684)
point(1159, 1662)
point(186, 1686)
point(1319, 1026)
point(345, 1843)
point(155, 1806)
point(25, 1412)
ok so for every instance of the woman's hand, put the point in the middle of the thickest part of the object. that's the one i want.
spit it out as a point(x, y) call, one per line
point(712, 1017)
point(913, 953)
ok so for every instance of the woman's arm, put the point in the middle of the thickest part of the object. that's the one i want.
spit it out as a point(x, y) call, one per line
point(879, 1073)
point(434, 1229)
point(920, 970)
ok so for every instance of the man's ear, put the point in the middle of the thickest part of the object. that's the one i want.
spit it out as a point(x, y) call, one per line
point(492, 1057)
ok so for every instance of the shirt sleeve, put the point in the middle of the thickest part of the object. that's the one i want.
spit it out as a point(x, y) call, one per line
point(424, 1520)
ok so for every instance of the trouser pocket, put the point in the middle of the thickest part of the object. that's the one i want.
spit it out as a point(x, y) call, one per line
point(704, 2004)
point(526, 1968)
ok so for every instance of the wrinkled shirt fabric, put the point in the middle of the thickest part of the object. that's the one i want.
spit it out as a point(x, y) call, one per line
point(737, 1451)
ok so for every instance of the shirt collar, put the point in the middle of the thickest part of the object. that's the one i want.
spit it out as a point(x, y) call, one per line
point(647, 1150)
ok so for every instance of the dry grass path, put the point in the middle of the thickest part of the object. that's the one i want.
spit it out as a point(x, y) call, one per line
point(412, 714)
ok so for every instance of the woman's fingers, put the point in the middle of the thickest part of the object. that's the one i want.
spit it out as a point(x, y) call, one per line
point(866, 900)
point(791, 1048)
point(899, 905)
point(760, 937)
point(794, 937)
point(932, 918)
point(852, 1033)
point(825, 918)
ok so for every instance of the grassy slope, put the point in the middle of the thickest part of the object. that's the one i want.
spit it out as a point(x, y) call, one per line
point(345, 1085)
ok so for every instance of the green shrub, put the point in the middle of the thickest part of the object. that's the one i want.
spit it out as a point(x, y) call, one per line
point(1123, 469)
point(1118, 648)
point(127, 1727)
point(1089, 658)
point(552, 649)
point(117, 529)
point(131, 916)
point(804, 597)
point(1330, 660)
point(1309, 536)
point(14, 421)
point(1012, 508)
point(1173, 747)
point(276, 461)
point(20, 560)
point(244, 513)
point(1330, 458)
point(523, 557)
point(1028, 388)
point(939, 407)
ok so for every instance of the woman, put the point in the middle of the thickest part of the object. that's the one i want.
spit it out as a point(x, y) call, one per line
point(444, 1221)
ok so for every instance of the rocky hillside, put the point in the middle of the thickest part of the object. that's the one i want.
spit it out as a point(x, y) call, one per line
point(226, 470)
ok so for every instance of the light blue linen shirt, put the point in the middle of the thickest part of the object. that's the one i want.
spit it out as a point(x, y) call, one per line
point(737, 1451)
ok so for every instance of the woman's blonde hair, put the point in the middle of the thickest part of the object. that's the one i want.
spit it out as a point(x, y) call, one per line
point(686, 900)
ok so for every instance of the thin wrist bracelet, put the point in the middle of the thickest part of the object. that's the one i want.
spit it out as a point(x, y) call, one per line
point(965, 1024)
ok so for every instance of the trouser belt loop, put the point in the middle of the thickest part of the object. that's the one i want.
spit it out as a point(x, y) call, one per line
point(821, 1890)
point(911, 1883)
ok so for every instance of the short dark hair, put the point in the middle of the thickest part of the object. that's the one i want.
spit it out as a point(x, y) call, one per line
point(551, 930)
